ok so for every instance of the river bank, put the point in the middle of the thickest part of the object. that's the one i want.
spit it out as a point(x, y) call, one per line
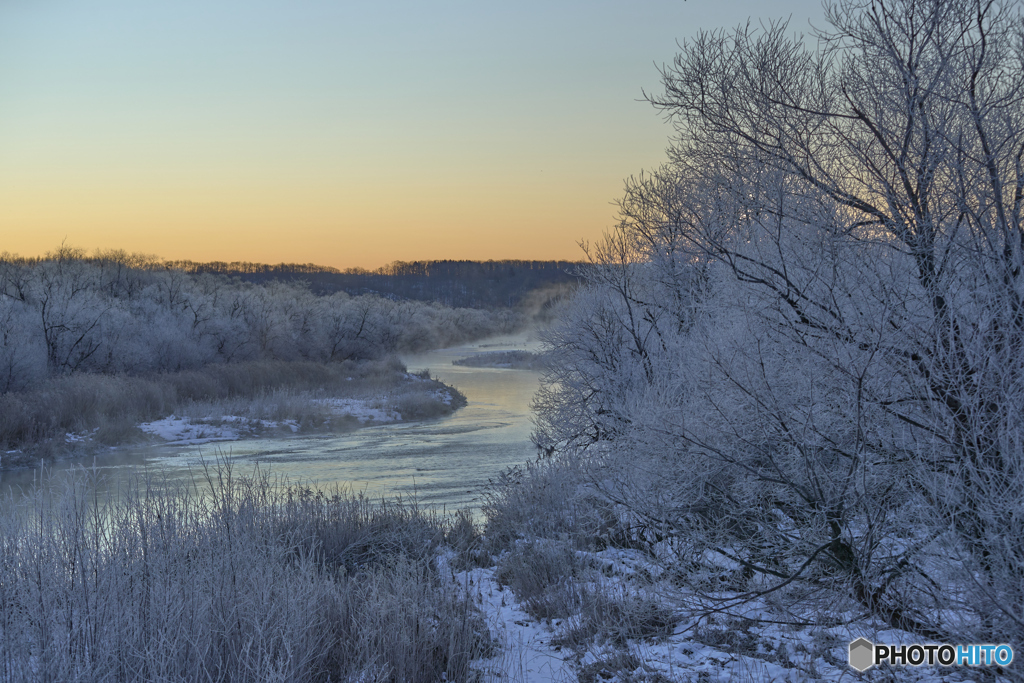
point(445, 461)
point(82, 414)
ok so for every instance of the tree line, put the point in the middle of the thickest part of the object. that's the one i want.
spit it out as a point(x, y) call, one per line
point(473, 284)
point(114, 312)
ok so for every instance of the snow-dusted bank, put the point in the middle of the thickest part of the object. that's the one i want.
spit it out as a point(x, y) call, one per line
point(573, 588)
point(79, 414)
point(332, 413)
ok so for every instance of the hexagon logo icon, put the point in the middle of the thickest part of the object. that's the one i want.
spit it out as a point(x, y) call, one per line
point(862, 654)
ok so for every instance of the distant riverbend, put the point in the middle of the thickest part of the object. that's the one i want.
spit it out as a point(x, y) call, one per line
point(443, 460)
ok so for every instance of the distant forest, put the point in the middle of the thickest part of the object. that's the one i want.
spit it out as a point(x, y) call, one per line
point(459, 284)
point(120, 313)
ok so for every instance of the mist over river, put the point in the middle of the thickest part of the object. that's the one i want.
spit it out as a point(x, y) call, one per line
point(444, 461)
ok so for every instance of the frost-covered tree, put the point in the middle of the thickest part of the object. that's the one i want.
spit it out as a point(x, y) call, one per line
point(65, 293)
point(810, 321)
point(22, 357)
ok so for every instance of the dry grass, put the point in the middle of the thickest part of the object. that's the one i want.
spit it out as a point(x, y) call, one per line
point(540, 573)
point(227, 579)
point(614, 615)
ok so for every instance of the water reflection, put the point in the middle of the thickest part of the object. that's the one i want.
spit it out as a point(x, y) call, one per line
point(439, 462)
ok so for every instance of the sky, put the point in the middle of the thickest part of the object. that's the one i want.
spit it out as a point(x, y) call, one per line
point(343, 133)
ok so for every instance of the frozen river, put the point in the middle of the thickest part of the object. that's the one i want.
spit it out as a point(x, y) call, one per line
point(445, 461)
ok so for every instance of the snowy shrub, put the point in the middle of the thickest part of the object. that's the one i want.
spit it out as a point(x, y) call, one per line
point(549, 499)
point(535, 570)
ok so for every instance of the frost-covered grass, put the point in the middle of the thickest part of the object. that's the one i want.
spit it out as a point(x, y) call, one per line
point(229, 579)
point(73, 414)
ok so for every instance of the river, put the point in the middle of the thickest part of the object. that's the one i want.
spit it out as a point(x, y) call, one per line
point(441, 462)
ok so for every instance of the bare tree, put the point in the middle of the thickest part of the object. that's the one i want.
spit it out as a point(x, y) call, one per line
point(70, 311)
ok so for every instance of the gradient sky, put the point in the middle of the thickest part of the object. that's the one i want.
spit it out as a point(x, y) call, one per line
point(341, 133)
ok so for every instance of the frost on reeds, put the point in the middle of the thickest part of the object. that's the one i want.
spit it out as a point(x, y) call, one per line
point(227, 578)
point(546, 499)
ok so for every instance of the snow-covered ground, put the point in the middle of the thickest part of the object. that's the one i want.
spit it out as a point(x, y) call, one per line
point(525, 653)
point(725, 650)
point(374, 410)
point(184, 430)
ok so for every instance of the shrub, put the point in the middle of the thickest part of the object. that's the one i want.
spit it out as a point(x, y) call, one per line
point(546, 499)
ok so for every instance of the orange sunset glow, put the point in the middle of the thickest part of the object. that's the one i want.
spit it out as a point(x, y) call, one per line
point(342, 134)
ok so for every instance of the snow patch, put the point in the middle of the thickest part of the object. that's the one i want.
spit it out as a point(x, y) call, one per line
point(361, 409)
point(183, 431)
point(745, 650)
point(525, 654)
